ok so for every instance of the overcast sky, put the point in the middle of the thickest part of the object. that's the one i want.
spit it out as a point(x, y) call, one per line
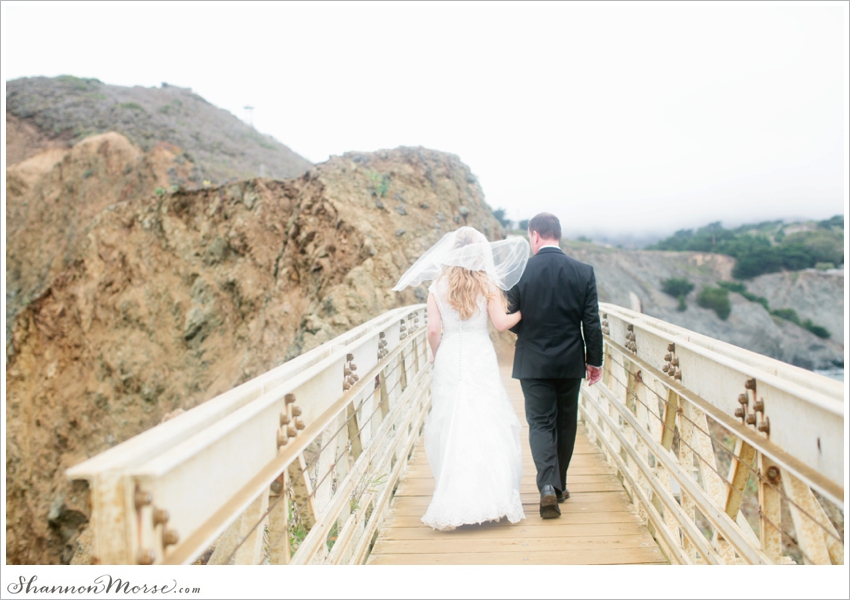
point(616, 117)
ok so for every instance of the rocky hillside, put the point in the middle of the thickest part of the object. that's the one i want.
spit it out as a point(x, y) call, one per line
point(167, 300)
point(43, 112)
point(813, 294)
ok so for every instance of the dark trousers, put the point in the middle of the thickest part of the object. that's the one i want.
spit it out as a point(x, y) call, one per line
point(551, 409)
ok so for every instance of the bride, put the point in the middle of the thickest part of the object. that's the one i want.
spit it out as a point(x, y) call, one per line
point(472, 434)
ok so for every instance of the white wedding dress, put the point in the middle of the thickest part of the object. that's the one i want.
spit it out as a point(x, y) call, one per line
point(472, 435)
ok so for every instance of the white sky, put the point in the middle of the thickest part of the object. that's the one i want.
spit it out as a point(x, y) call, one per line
point(616, 117)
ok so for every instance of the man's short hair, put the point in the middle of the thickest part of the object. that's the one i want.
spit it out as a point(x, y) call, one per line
point(546, 225)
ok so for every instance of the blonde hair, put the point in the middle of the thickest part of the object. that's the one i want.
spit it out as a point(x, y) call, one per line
point(464, 288)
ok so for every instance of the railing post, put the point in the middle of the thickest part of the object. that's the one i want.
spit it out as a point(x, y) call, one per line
point(817, 545)
point(686, 459)
point(279, 552)
point(770, 509)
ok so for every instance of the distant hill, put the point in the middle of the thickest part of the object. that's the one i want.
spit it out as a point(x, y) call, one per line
point(767, 247)
point(42, 112)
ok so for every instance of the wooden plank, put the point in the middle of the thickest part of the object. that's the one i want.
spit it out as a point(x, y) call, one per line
point(420, 487)
point(599, 524)
point(624, 556)
point(405, 508)
point(461, 545)
point(603, 500)
point(566, 520)
point(579, 475)
point(563, 532)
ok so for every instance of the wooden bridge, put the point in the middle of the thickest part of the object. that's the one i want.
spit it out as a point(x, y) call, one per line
point(598, 524)
point(690, 451)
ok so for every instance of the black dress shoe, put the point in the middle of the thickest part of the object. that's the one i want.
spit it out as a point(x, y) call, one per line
point(563, 496)
point(549, 508)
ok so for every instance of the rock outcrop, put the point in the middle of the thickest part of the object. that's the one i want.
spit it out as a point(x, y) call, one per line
point(815, 295)
point(45, 111)
point(168, 300)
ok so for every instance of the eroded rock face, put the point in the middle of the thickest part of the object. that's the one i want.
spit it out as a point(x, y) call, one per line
point(172, 299)
point(811, 293)
point(52, 197)
point(814, 295)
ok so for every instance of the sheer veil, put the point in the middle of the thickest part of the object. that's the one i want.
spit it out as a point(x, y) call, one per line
point(504, 261)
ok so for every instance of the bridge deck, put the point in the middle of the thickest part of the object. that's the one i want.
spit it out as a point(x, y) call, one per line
point(598, 524)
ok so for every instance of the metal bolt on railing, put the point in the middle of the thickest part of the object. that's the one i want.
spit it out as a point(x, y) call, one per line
point(142, 499)
point(170, 537)
point(287, 429)
point(160, 516)
point(282, 438)
point(773, 474)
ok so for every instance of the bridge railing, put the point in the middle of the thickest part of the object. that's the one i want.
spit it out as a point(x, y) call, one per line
point(294, 467)
point(730, 457)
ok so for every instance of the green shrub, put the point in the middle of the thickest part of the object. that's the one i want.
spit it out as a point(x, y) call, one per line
point(677, 287)
point(740, 288)
point(682, 306)
point(132, 106)
point(756, 253)
point(159, 191)
point(819, 331)
point(717, 299)
point(379, 183)
point(87, 173)
point(733, 286)
point(824, 266)
point(789, 314)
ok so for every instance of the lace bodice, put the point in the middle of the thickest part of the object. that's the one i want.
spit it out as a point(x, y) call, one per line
point(452, 323)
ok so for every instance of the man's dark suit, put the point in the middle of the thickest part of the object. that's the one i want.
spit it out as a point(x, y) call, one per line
point(558, 299)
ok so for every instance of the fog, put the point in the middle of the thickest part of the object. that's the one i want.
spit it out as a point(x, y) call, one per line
point(627, 119)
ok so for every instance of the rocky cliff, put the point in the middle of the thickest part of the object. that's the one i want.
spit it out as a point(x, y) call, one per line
point(170, 299)
point(815, 295)
point(60, 111)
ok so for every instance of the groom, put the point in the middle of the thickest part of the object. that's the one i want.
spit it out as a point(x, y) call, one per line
point(558, 339)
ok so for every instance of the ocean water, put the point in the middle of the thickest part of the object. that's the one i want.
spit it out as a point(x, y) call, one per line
point(837, 374)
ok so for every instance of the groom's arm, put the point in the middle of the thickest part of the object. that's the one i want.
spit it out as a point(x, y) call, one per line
point(591, 325)
point(513, 306)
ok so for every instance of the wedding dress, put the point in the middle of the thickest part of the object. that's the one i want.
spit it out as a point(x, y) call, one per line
point(472, 434)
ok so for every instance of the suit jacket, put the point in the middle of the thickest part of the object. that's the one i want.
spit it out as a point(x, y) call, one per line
point(560, 326)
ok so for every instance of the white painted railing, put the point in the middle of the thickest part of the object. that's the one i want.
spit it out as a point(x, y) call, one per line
point(729, 456)
point(688, 421)
point(296, 466)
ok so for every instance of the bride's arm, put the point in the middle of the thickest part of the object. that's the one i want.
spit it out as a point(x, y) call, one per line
point(497, 309)
point(435, 325)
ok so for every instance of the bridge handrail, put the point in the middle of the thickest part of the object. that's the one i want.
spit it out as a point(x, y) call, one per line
point(661, 386)
point(299, 465)
point(166, 495)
